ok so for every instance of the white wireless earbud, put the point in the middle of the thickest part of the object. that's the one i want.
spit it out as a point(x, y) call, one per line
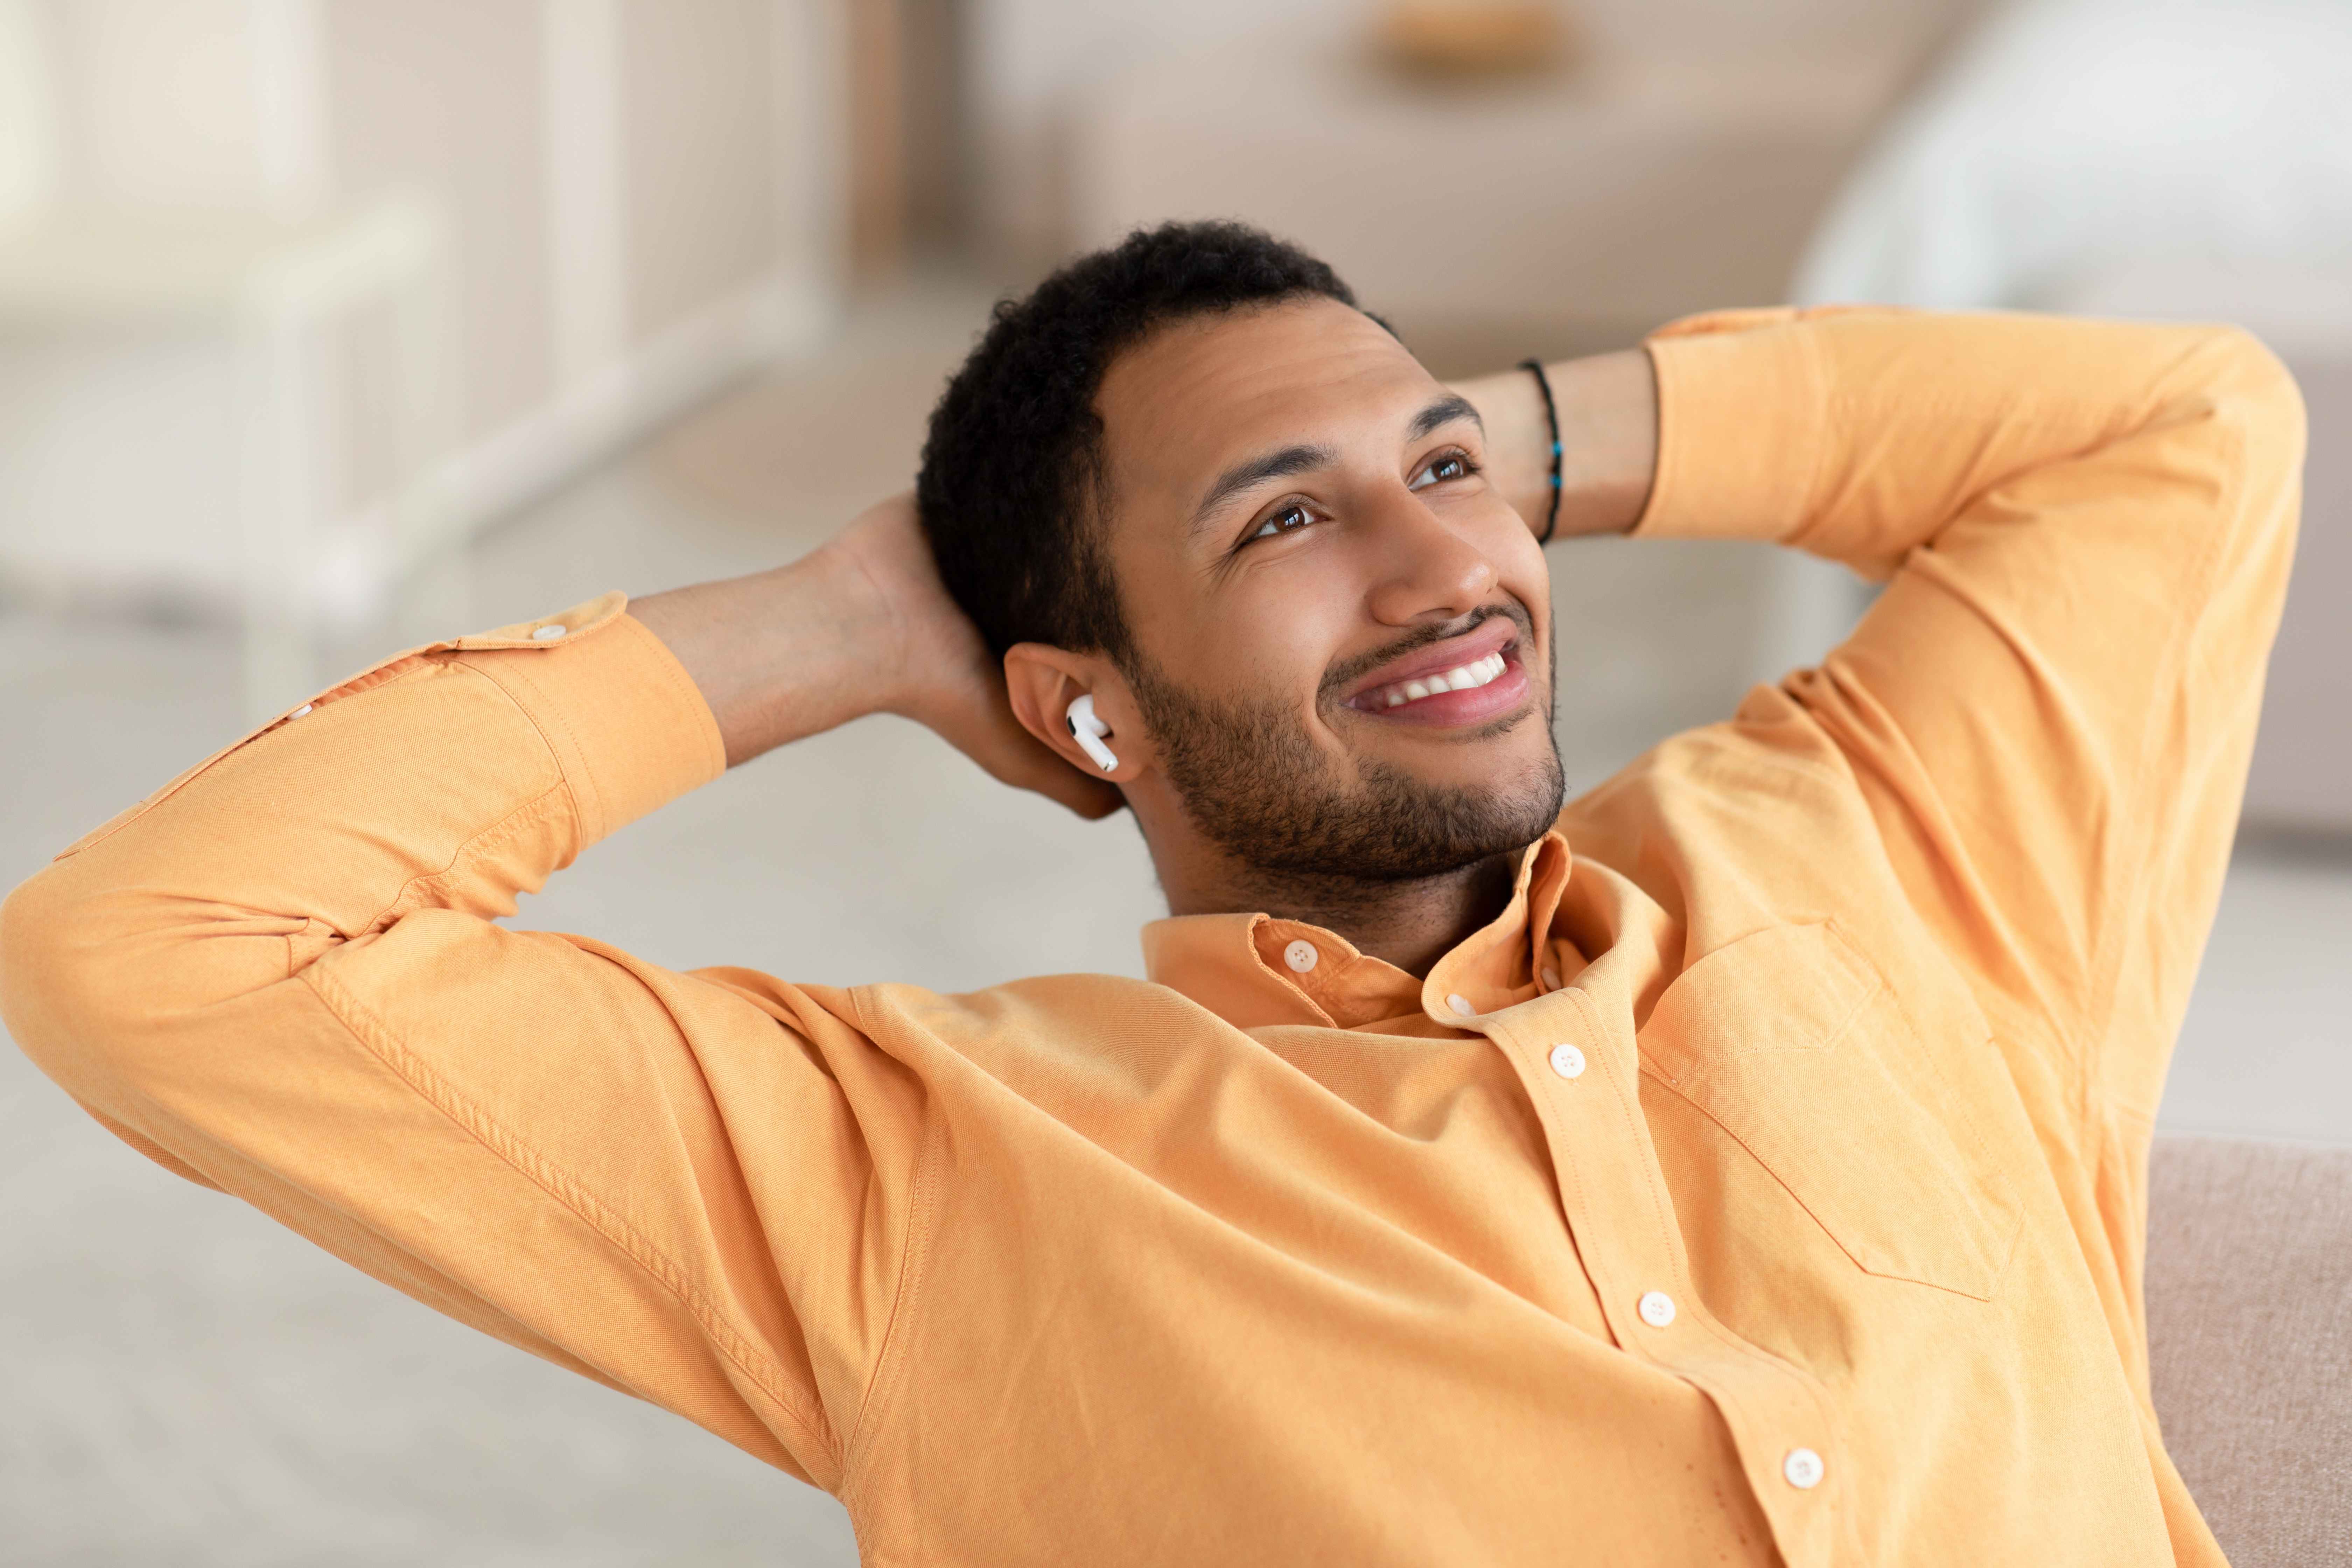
point(1088, 731)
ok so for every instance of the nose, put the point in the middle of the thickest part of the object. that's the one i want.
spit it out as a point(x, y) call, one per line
point(1425, 572)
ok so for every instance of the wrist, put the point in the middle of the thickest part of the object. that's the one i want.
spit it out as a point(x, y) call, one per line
point(781, 654)
point(1609, 440)
point(1606, 407)
point(1519, 441)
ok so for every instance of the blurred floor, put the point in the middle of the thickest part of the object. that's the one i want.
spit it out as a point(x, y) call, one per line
point(185, 1383)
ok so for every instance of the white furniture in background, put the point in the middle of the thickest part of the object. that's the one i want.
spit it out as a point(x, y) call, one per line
point(2189, 160)
point(296, 294)
point(171, 268)
point(260, 291)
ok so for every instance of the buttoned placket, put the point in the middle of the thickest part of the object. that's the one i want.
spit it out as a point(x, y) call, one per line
point(1573, 1048)
point(1581, 1068)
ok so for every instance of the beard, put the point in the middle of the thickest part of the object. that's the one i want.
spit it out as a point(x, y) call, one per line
point(1254, 783)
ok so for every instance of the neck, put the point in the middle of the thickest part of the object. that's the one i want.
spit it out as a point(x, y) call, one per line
point(1410, 924)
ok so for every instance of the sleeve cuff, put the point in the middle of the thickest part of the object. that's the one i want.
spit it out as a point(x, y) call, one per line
point(1740, 424)
point(626, 724)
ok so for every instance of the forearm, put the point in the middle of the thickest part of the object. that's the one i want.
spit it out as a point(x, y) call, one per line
point(861, 626)
point(781, 654)
point(1608, 413)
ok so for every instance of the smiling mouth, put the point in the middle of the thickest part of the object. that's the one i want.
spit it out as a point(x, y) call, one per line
point(1468, 676)
point(1482, 683)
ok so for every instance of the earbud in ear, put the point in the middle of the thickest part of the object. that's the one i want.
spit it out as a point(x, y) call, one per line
point(1089, 730)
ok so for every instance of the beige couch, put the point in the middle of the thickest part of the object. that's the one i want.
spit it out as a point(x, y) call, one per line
point(2249, 1340)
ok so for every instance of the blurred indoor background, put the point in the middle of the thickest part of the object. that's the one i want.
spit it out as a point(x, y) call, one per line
point(330, 325)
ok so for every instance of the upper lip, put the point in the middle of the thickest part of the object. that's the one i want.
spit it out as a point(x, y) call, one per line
point(1492, 635)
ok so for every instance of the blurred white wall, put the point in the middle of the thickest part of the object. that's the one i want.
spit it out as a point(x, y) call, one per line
point(1033, 59)
point(1038, 64)
point(636, 198)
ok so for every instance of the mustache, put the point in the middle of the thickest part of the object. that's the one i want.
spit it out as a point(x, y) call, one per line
point(1347, 673)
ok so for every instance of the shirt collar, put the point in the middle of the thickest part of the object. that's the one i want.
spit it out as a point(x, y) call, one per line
point(1245, 968)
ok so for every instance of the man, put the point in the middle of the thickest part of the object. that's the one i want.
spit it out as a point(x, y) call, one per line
point(1743, 1164)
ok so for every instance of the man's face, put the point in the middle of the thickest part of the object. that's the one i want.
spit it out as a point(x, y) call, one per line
point(1342, 630)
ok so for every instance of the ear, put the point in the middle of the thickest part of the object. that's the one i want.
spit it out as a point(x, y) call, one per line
point(1043, 681)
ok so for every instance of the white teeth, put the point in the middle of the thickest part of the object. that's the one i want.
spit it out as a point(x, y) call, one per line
point(1463, 678)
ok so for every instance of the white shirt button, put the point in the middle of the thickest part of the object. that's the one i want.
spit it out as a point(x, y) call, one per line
point(1803, 1468)
point(300, 711)
point(1657, 1309)
point(1300, 956)
point(1552, 979)
point(548, 633)
point(1567, 1060)
point(1461, 1004)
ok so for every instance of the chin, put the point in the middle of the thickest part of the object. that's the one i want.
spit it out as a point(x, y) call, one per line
point(1425, 822)
point(1512, 756)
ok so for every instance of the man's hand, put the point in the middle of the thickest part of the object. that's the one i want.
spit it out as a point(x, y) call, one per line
point(943, 675)
point(860, 625)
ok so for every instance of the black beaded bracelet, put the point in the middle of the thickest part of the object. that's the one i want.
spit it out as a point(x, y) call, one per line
point(1551, 418)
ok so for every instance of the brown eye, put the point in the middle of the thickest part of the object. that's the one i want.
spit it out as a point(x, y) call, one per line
point(1289, 518)
point(1440, 469)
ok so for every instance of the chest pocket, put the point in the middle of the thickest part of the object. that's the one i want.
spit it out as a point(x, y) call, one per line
point(1790, 1040)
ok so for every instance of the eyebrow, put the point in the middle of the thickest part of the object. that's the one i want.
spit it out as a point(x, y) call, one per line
point(1274, 464)
point(1283, 462)
point(1444, 410)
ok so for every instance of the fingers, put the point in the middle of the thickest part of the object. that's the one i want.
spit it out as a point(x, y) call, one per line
point(953, 684)
point(1014, 756)
point(1056, 779)
point(977, 719)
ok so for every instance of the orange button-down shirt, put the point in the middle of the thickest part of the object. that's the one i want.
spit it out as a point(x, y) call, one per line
point(1766, 1180)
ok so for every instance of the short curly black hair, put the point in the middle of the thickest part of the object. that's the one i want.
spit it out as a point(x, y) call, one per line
point(1013, 480)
